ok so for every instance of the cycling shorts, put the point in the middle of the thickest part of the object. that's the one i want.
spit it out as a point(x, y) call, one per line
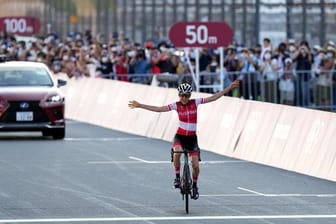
point(187, 142)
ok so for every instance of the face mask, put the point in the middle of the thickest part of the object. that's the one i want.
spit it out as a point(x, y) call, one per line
point(292, 48)
point(104, 59)
point(330, 55)
point(33, 53)
point(65, 57)
point(45, 51)
point(303, 51)
point(131, 53)
point(267, 56)
point(10, 50)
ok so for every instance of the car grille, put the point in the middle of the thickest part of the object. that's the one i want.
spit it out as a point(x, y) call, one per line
point(14, 106)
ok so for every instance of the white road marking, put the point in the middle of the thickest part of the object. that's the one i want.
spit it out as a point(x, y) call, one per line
point(223, 161)
point(286, 195)
point(202, 162)
point(251, 191)
point(229, 195)
point(175, 218)
point(112, 162)
point(146, 161)
point(269, 195)
point(104, 139)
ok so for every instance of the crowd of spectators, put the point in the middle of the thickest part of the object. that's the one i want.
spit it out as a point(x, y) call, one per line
point(280, 74)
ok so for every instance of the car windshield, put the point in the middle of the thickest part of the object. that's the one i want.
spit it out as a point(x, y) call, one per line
point(24, 77)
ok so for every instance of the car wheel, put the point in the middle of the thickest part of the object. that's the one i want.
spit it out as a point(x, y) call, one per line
point(58, 133)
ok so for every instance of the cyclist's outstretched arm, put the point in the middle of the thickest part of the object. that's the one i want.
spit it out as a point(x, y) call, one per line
point(216, 96)
point(134, 104)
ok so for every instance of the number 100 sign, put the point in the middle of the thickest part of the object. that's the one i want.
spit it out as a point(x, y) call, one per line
point(200, 34)
point(20, 25)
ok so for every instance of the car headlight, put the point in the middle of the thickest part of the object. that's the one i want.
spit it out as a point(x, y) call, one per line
point(3, 105)
point(54, 99)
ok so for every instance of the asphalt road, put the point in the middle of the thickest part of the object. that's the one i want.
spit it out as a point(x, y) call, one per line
point(96, 175)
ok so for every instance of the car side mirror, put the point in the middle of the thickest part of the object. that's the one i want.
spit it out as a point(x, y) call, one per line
point(61, 82)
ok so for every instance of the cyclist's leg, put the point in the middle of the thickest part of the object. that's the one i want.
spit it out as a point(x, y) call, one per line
point(195, 173)
point(177, 160)
point(177, 156)
point(195, 158)
point(195, 166)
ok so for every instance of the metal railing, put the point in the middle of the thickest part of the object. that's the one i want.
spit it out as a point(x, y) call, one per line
point(307, 89)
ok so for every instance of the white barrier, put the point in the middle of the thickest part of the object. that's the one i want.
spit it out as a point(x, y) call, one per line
point(287, 137)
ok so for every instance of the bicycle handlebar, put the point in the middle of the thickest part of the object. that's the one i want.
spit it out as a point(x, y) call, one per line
point(184, 151)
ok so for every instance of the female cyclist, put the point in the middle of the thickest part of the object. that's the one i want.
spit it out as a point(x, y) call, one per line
point(185, 137)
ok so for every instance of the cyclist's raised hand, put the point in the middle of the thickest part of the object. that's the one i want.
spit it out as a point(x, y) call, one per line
point(217, 95)
point(234, 84)
point(133, 104)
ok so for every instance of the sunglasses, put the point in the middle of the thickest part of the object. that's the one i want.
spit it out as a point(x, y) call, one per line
point(184, 95)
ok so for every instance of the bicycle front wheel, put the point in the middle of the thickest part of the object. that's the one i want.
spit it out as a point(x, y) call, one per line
point(186, 203)
point(187, 187)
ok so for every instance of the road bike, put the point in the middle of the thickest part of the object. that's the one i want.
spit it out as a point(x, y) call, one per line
point(186, 181)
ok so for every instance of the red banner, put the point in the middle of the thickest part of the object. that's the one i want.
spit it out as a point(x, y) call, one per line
point(20, 25)
point(200, 34)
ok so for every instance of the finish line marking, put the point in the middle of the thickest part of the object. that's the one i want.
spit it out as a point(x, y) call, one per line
point(331, 216)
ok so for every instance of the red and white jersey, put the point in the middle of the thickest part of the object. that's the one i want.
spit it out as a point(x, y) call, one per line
point(187, 115)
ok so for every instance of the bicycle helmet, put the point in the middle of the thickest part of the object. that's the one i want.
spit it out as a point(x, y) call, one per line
point(184, 88)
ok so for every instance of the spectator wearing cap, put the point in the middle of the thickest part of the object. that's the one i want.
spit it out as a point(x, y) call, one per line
point(287, 83)
point(331, 44)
